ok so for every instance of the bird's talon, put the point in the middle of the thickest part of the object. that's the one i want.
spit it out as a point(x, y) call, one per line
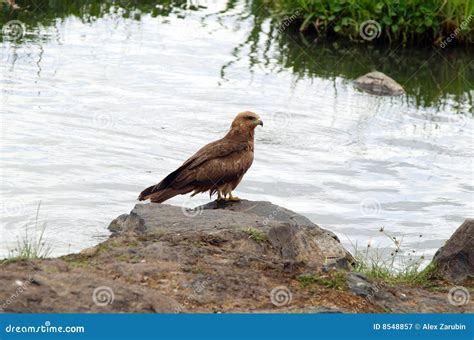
point(221, 197)
point(233, 198)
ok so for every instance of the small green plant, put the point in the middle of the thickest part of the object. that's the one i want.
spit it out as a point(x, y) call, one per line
point(335, 280)
point(256, 235)
point(32, 244)
point(400, 267)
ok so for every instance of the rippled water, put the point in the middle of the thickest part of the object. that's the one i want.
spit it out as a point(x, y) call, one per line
point(92, 113)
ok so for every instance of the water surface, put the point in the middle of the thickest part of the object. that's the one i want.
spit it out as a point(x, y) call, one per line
point(95, 110)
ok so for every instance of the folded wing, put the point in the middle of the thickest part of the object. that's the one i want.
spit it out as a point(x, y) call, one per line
point(217, 163)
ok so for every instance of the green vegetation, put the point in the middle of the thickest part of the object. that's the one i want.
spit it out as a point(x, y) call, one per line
point(256, 235)
point(77, 260)
point(400, 267)
point(410, 21)
point(431, 77)
point(47, 12)
point(334, 280)
point(32, 244)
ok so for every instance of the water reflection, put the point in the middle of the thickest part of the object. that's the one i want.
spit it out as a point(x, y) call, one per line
point(432, 76)
point(98, 103)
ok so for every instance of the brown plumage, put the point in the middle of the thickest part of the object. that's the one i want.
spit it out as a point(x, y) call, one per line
point(218, 167)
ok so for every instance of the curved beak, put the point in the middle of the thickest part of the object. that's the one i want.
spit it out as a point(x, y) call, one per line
point(260, 122)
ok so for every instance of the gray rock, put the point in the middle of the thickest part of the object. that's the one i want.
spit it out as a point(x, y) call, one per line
point(295, 237)
point(455, 260)
point(360, 285)
point(372, 292)
point(379, 84)
point(52, 287)
point(117, 225)
point(324, 310)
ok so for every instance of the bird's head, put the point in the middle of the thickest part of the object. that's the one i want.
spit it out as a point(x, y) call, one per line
point(246, 121)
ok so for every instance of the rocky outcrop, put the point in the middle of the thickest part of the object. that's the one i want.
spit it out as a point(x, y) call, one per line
point(378, 83)
point(287, 236)
point(53, 286)
point(455, 260)
point(232, 257)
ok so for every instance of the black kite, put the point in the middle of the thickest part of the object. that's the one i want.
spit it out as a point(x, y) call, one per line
point(217, 167)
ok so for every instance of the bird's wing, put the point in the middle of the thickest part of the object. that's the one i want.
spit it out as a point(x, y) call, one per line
point(214, 163)
point(217, 149)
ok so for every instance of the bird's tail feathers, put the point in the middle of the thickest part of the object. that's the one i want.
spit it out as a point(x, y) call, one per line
point(148, 191)
point(157, 195)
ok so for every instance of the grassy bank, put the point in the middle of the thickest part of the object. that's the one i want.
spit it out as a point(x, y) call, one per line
point(439, 22)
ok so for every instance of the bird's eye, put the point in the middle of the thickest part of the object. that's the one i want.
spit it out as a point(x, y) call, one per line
point(249, 117)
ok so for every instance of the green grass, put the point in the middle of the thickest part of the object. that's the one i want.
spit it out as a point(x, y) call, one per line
point(335, 280)
point(401, 266)
point(407, 21)
point(32, 244)
point(256, 235)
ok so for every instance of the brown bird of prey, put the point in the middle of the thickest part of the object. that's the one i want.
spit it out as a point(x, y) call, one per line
point(218, 167)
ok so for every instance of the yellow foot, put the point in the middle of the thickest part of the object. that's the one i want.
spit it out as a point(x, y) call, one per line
point(220, 198)
point(233, 198)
